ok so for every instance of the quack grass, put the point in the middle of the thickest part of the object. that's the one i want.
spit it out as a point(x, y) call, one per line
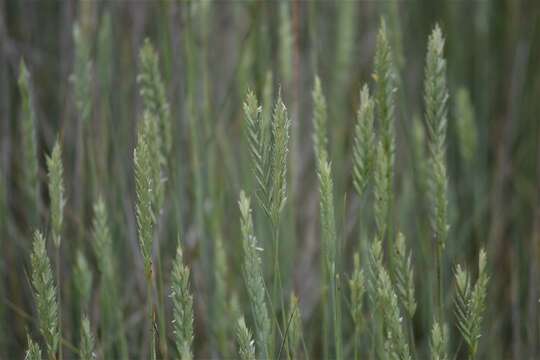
point(264, 328)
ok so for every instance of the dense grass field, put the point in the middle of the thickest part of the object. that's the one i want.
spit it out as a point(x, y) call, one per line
point(270, 180)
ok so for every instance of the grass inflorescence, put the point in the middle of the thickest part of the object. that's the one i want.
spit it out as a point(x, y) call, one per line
point(338, 211)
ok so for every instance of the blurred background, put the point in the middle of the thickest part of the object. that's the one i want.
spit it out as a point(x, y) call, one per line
point(211, 53)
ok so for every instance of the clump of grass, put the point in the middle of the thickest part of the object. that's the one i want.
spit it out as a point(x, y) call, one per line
point(246, 345)
point(182, 307)
point(45, 295)
point(254, 278)
point(435, 97)
point(470, 303)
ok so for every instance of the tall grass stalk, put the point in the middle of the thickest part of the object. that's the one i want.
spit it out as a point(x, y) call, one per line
point(111, 311)
point(45, 295)
point(253, 277)
point(147, 180)
point(152, 91)
point(435, 97)
point(269, 162)
point(320, 142)
point(384, 101)
point(330, 248)
point(182, 307)
point(56, 195)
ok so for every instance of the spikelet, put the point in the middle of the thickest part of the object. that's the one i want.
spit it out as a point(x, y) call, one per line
point(182, 307)
point(364, 142)
point(404, 276)
point(56, 191)
point(45, 295)
point(470, 303)
point(246, 345)
point(254, 278)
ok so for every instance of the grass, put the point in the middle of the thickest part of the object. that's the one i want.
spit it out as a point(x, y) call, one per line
point(302, 207)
